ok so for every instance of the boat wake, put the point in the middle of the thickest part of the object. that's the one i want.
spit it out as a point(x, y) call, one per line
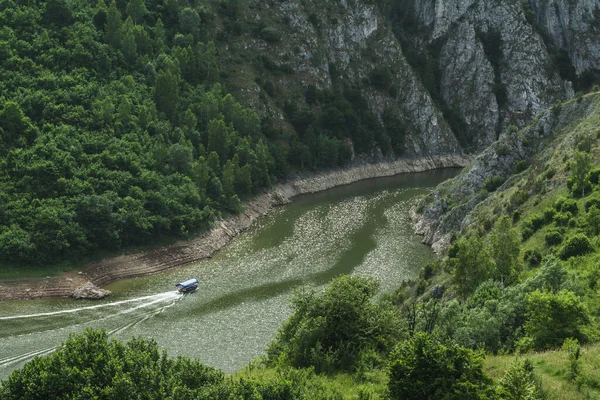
point(156, 298)
point(160, 302)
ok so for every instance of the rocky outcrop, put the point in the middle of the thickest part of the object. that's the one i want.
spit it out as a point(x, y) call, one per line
point(495, 68)
point(573, 26)
point(91, 292)
point(467, 83)
point(463, 69)
point(330, 43)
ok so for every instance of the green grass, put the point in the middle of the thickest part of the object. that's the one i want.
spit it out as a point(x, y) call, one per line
point(552, 368)
point(373, 384)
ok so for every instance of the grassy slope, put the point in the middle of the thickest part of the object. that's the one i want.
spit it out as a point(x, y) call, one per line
point(552, 368)
point(373, 385)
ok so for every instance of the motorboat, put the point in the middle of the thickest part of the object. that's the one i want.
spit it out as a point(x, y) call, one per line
point(188, 286)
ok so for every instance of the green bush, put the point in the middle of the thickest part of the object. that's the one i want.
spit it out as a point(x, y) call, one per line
point(533, 257)
point(549, 214)
point(521, 166)
point(554, 317)
point(566, 205)
point(493, 183)
point(329, 331)
point(381, 77)
point(553, 237)
point(562, 219)
point(270, 34)
point(527, 229)
point(424, 368)
point(594, 202)
point(520, 382)
point(577, 245)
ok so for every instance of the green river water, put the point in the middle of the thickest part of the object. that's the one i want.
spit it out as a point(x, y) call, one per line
point(244, 292)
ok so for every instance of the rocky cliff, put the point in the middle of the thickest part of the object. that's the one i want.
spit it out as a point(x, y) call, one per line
point(457, 73)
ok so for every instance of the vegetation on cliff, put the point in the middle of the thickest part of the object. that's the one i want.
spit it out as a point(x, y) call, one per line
point(522, 274)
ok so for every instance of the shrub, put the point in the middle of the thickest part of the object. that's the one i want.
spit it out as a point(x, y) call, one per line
point(566, 205)
point(518, 198)
point(527, 229)
point(381, 78)
point(424, 366)
point(571, 346)
point(594, 174)
point(592, 203)
point(577, 245)
point(537, 221)
point(521, 166)
point(553, 237)
point(516, 216)
point(562, 219)
point(329, 331)
point(492, 183)
point(554, 317)
point(549, 214)
point(533, 257)
point(519, 382)
point(270, 34)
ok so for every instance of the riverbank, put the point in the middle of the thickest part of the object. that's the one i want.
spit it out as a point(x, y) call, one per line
point(203, 247)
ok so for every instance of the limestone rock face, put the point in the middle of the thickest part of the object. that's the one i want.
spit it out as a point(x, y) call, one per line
point(460, 71)
point(90, 291)
point(573, 26)
point(467, 82)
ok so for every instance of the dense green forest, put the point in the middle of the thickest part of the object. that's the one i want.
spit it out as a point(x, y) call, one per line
point(117, 129)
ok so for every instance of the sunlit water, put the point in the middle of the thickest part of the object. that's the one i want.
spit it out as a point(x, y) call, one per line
point(244, 293)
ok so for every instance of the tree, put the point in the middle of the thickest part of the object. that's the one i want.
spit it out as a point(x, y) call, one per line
point(189, 22)
point(218, 138)
point(160, 37)
point(128, 44)
point(112, 33)
point(471, 264)
point(136, 9)
point(554, 317)
point(520, 383)
point(166, 92)
point(581, 168)
point(100, 15)
point(58, 12)
point(422, 368)
point(90, 365)
point(330, 330)
point(504, 247)
point(15, 127)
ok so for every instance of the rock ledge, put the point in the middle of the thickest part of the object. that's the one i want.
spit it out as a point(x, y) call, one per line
point(90, 291)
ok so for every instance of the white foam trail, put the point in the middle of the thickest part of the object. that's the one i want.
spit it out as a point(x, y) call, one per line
point(175, 296)
point(144, 318)
point(26, 356)
point(159, 297)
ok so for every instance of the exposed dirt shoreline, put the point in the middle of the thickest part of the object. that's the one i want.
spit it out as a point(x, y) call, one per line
point(190, 251)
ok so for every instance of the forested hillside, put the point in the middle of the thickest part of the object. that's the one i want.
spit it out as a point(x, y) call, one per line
point(117, 127)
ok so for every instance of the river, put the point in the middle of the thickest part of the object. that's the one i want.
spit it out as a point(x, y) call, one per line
point(244, 292)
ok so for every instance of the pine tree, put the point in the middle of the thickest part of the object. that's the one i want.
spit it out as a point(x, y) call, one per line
point(166, 92)
point(160, 37)
point(112, 34)
point(136, 9)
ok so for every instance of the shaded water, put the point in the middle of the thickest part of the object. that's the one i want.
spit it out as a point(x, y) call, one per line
point(363, 228)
